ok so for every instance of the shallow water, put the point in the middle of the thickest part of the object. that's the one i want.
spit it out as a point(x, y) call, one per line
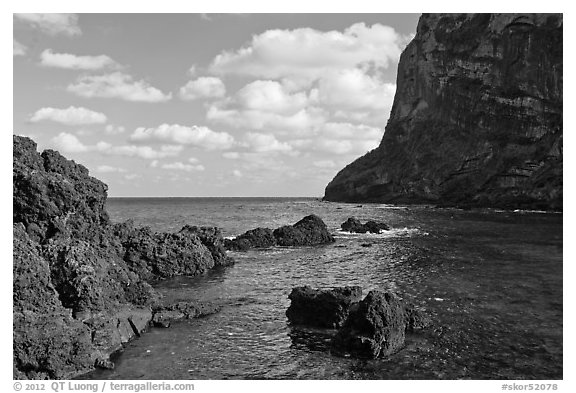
point(492, 282)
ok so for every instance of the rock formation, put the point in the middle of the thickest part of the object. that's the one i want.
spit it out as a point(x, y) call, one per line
point(309, 231)
point(476, 119)
point(325, 308)
point(376, 328)
point(81, 286)
point(354, 225)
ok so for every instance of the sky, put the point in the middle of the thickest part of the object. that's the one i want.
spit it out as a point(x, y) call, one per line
point(207, 104)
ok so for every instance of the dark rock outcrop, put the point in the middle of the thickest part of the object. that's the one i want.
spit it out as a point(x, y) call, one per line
point(254, 238)
point(80, 287)
point(354, 225)
point(376, 328)
point(476, 119)
point(325, 308)
point(309, 231)
point(416, 319)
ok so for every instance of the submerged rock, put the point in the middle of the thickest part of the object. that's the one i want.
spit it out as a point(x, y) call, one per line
point(326, 308)
point(416, 319)
point(375, 328)
point(309, 231)
point(354, 225)
point(165, 315)
point(254, 238)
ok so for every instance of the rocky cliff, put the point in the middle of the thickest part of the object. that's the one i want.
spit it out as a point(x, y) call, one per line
point(476, 120)
point(80, 283)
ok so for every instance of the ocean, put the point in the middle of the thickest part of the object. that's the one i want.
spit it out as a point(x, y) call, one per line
point(491, 280)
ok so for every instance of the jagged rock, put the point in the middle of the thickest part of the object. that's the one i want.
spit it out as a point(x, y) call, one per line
point(309, 231)
point(105, 364)
point(162, 255)
point(326, 308)
point(375, 328)
point(254, 238)
point(79, 289)
point(416, 319)
point(476, 119)
point(212, 238)
point(354, 225)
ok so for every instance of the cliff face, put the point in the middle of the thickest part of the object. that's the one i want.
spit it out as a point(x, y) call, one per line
point(476, 120)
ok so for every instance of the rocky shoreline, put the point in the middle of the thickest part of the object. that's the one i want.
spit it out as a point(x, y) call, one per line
point(82, 284)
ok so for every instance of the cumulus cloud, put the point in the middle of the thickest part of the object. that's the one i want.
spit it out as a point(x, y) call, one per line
point(179, 166)
point(68, 143)
point(183, 135)
point(264, 143)
point(113, 129)
point(340, 139)
point(203, 87)
point(117, 85)
point(74, 62)
point(69, 116)
point(18, 49)
point(109, 169)
point(145, 152)
point(52, 24)
point(309, 53)
point(270, 96)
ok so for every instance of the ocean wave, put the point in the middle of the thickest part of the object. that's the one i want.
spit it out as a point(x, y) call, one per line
point(393, 232)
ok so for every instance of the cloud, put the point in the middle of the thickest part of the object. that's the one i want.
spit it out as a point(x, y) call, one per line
point(109, 169)
point(69, 116)
point(68, 143)
point(182, 135)
point(340, 139)
point(270, 96)
point(74, 62)
point(179, 166)
point(308, 53)
point(52, 24)
point(112, 129)
point(18, 49)
point(264, 143)
point(203, 87)
point(324, 164)
point(117, 85)
point(237, 173)
point(354, 89)
point(145, 152)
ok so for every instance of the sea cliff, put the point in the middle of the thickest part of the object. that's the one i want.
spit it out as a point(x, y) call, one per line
point(476, 119)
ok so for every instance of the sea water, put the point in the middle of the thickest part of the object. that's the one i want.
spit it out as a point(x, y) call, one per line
point(491, 280)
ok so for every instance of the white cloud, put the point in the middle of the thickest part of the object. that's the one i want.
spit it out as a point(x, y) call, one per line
point(68, 143)
point(52, 24)
point(179, 166)
point(309, 53)
point(324, 164)
point(354, 89)
point(18, 49)
point(112, 129)
point(117, 85)
point(203, 87)
point(237, 173)
point(182, 135)
point(231, 155)
point(74, 62)
point(109, 169)
point(340, 139)
point(69, 116)
point(270, 96)
point(265, 143)
point(145, 152)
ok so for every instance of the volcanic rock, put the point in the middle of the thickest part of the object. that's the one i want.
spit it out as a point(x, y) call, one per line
point(476, 119)
point(354, 225)
point(254, 238)
point(325, 308)
point(309, 231)
point(375, 328)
